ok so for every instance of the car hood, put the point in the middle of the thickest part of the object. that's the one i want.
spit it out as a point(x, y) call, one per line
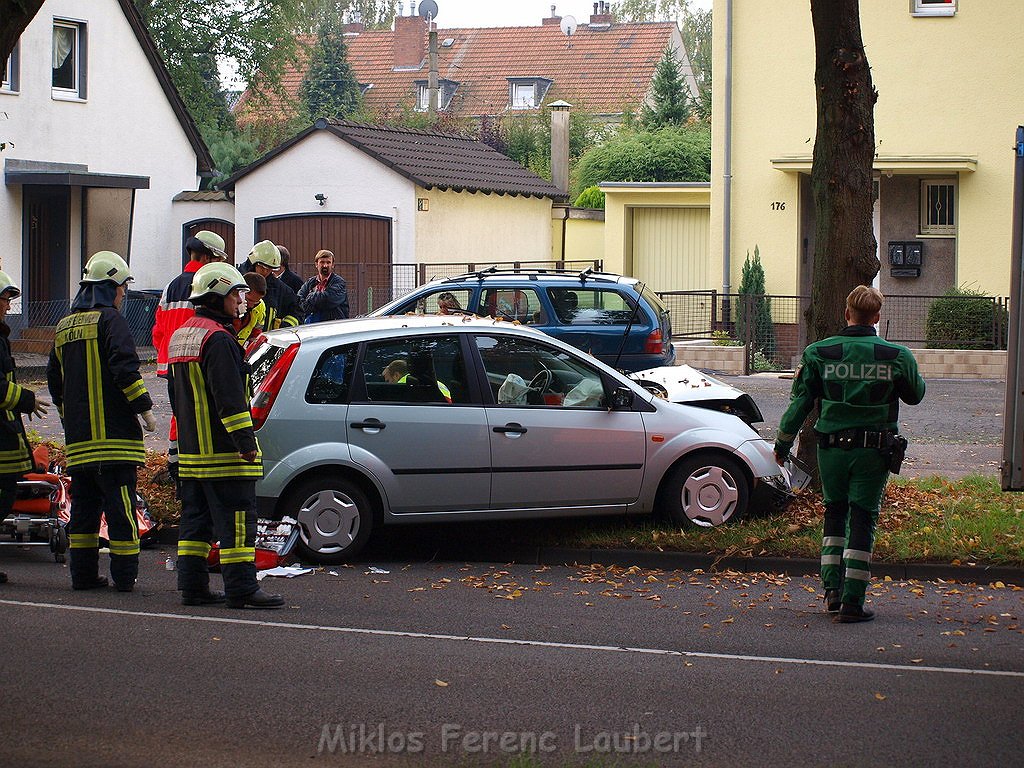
point(686, 385)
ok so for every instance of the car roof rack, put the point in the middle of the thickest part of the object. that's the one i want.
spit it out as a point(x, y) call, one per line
point(533, 273)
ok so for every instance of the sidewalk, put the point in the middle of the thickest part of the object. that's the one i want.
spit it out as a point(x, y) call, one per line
point(33, 367)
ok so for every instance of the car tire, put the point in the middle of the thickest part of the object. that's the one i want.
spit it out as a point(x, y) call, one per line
point(706, 489)
point(335, 518)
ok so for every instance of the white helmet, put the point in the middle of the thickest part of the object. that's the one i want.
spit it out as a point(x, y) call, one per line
point(265, 253)
point(106, 265)
point(205, 240)
point(8, 290)
point(216, 278)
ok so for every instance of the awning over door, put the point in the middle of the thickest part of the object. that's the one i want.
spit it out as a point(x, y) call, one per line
point(67, 175)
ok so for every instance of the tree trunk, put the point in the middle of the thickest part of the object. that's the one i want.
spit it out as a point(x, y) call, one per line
point(14, 17)
point(841, 176)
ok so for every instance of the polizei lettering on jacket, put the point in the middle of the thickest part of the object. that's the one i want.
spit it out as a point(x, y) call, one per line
point(857, 372)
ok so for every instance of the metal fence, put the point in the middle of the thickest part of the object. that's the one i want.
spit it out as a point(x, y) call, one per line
point(138, 309)
point(772, 328)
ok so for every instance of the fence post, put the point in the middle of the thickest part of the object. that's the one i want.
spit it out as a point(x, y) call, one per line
point(748, 338)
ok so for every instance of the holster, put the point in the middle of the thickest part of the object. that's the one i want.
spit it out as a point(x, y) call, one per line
point(895, 451)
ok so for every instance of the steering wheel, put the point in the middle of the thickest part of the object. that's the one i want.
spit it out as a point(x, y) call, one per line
point(542, 381)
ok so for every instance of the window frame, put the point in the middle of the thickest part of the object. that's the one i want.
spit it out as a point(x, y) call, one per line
point(539, 85)
point(12, 80)
point(80, 52)
point(932, 7)
point(925, 226)
point(445, 93)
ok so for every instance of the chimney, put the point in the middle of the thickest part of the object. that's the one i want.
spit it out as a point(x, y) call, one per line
point(602, 14)
point(553, 20)
point(560, 145)
point(410, 42)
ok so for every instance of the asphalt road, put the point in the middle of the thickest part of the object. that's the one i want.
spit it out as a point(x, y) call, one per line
point(957, 430)
point(574, 664)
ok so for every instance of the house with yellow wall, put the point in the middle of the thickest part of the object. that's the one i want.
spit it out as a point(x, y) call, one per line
point(947, 75)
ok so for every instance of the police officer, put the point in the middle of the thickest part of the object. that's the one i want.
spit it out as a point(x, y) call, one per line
point(282, 305)
point(858, 380)
point(219, 459)
point(15, 453)
point(93, 375)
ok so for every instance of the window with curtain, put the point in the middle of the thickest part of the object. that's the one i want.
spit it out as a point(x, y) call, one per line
point(66, 56)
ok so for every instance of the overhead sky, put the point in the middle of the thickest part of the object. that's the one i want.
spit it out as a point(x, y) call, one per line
point(512, 13)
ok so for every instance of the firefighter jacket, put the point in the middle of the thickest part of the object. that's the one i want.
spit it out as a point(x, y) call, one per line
point(15, 455)
point(172, 312)
point(209, 385)
point(252, 324)
point(858, 379)
point(93, 375)
point(283, 309)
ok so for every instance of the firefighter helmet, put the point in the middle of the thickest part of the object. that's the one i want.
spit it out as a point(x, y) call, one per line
point(8, 290)
point(208, 241)
point(216, 278)
point(265, 253)
point(106, 265)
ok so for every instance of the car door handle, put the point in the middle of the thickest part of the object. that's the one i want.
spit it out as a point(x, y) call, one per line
point(368, 424)
point(512, 427)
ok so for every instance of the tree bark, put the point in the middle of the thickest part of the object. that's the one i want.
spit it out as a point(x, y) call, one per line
point(14, 17)
point(841, 175)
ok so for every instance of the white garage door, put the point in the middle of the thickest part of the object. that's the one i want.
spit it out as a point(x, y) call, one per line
point(672, 248)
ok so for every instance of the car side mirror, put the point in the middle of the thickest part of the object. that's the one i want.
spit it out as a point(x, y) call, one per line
point(622, 399)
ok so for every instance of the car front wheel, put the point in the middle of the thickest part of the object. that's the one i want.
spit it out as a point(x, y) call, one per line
point(335, 519)
point(706, 490)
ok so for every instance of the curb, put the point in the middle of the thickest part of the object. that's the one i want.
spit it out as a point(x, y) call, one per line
point(692, 561)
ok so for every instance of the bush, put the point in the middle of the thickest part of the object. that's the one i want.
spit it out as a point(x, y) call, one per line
point(754, 317)
point(669, 154)
point(966, 319)
point(591, 197)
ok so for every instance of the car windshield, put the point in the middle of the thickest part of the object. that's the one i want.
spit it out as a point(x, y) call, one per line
point(592, 306)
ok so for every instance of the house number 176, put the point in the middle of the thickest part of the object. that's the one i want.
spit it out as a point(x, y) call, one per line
point(778, 205)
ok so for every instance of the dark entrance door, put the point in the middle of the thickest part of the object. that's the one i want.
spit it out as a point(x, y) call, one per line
point(361, 247)
point(48, 233)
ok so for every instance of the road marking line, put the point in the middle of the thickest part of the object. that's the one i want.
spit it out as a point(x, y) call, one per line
point(526, 643)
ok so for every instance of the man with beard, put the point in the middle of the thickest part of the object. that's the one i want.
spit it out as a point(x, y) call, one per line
point(324, 297)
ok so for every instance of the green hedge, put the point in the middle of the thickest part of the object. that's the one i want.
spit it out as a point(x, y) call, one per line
point(966, 319)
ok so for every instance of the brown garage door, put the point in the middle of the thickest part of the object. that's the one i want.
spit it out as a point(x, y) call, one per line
point(361, 247)
point(223, 228)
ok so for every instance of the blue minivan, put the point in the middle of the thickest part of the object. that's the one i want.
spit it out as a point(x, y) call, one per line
point(617, 319)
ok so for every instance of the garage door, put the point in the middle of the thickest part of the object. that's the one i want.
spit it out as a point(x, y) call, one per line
point(672, 248)
point(361, 247)
point(218, 226)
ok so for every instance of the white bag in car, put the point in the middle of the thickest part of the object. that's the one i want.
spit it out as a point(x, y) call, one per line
point(513, 390)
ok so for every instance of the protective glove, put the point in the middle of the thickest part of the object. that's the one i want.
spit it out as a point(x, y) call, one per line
point(782, 452)
point(40, 409)
point(148, 421)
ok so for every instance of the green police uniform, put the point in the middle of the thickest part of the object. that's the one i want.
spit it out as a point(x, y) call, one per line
point(858, 379)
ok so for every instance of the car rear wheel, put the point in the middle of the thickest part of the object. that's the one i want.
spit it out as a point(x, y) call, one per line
point(707, 489)
point(335, 519)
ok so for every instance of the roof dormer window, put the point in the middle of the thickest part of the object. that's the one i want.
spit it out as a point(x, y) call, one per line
point(445, 91)
point(527, 92)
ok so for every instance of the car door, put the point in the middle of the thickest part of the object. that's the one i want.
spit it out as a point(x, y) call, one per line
point(418, 425)
point(595, 319)
point(554, 441)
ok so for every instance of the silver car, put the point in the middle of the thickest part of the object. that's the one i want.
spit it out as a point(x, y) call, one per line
point(376, 421)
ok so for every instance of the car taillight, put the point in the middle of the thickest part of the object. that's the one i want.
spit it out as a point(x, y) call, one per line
point(266, 393)
point(654, 344)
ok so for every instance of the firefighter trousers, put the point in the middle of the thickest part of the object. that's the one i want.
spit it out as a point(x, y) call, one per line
point(108, 490)
point(223, 511)
point(852, 482)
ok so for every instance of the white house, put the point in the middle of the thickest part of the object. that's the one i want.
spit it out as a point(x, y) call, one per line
point(98, 144)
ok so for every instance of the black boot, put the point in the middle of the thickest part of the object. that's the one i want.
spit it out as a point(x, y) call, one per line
point(209, 597)
point(850, 614)
point(833, 599)
point(85, 566)
point(96, 582)
point(257, 599)
point(3, 577)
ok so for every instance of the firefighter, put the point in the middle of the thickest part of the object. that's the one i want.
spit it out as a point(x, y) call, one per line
point(93, 375)
point(219, 459)
point(15, 453)
point(282, 305)
point(174, 309)
point(857, 379)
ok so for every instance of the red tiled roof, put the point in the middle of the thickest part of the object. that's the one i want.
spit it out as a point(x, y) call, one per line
point(600, 69)
point(431, 159)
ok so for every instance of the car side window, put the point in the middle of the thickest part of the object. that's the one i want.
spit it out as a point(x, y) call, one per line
point(447, 301)
point(522, 304)
point(418, 369)
point(332, 377)
point(522, 372)
point(592, 306)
